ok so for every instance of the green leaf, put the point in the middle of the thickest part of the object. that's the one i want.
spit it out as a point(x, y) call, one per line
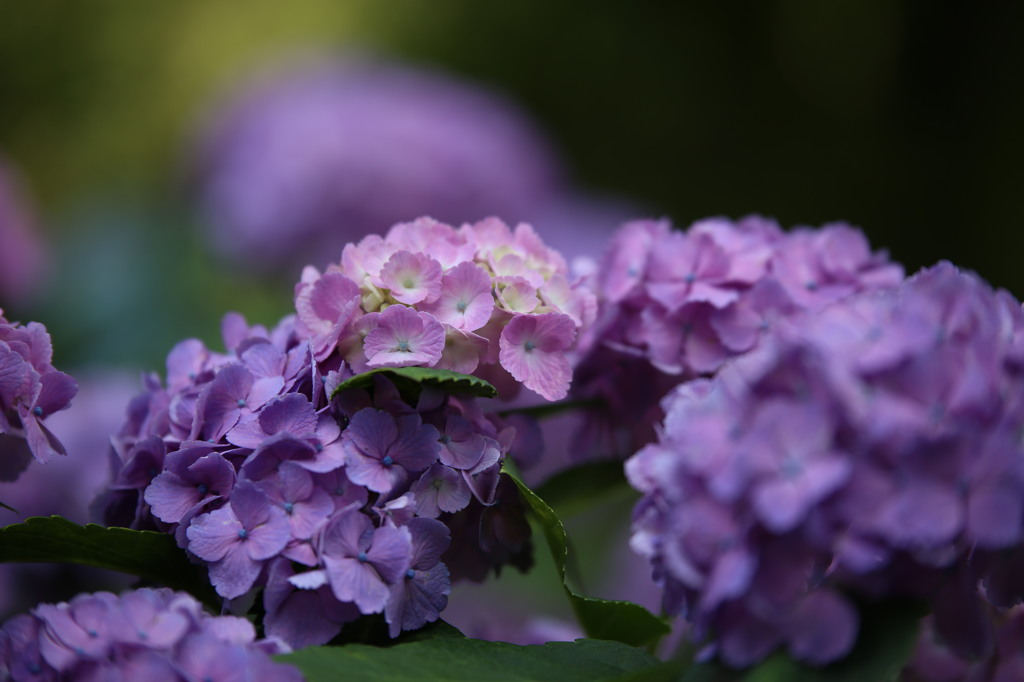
point(545, 410)
point(413, 379)
point(578, 489)
point(621, 621)
point(451, 659)
point(149, 555)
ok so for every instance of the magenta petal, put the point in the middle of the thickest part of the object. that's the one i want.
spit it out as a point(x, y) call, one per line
point(417, 446)
point(13, 372)
point(390, 552)
point(430, 539)
point(354, 581)
point(326, 302)
point(823, 628)
point(56, 389)
point(371, 473)
point(235, 573)
point(212, 535)
point(922, 515)
point(532, 349)
point(250, 504)
point(412, 277)
point(994, 512)
point(268, 539)
point(404, 338)
point(292, 413)
point(169, 497)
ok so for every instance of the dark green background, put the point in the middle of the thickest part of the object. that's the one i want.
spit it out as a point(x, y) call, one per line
point(906, 118)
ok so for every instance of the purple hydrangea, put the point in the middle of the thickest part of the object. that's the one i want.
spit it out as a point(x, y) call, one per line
point(676, 305)
point(143, 634)
point(481, 298)
point(319, 153)
point(31, 389)
point(870, 449)
point(336, 505)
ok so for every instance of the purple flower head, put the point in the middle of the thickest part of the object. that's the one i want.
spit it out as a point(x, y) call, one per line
point(307, 148)
point(142, 634)
point(238, 538)
point(380, 450)
point(686, 302)
point(873, 438)
point(430, 295)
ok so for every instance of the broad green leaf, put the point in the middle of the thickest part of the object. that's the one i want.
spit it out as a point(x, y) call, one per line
point(449, 659)
point(146, 554)
point(413, 379)
point(578, 489)
point(621, 621)
point(545, 410)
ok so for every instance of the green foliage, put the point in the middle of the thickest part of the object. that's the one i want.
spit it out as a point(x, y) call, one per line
point(154, 557)
point(454, 659)
point(583, 487)
point(601, 619)
point(411, 380)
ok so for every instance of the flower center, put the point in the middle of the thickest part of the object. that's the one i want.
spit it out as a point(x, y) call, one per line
point(362, 558)
point(387, 461)
point(529, 346)
point(243, 534)
point(402, 346)
point(461, 306)
point(37, 411)
point(241, 402)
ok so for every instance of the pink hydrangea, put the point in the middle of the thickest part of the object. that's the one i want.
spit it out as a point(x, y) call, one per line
point(431, 295)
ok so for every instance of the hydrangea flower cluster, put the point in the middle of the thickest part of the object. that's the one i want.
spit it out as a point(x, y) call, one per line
point(321, 152)
point(342, 502)
point(677, 304)
point(481, 298)
point(871, 450)
point(331, 504)
point(31, 389)
point(145, 634)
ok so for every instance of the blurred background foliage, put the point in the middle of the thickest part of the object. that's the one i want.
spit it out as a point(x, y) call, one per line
point(905, 118)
